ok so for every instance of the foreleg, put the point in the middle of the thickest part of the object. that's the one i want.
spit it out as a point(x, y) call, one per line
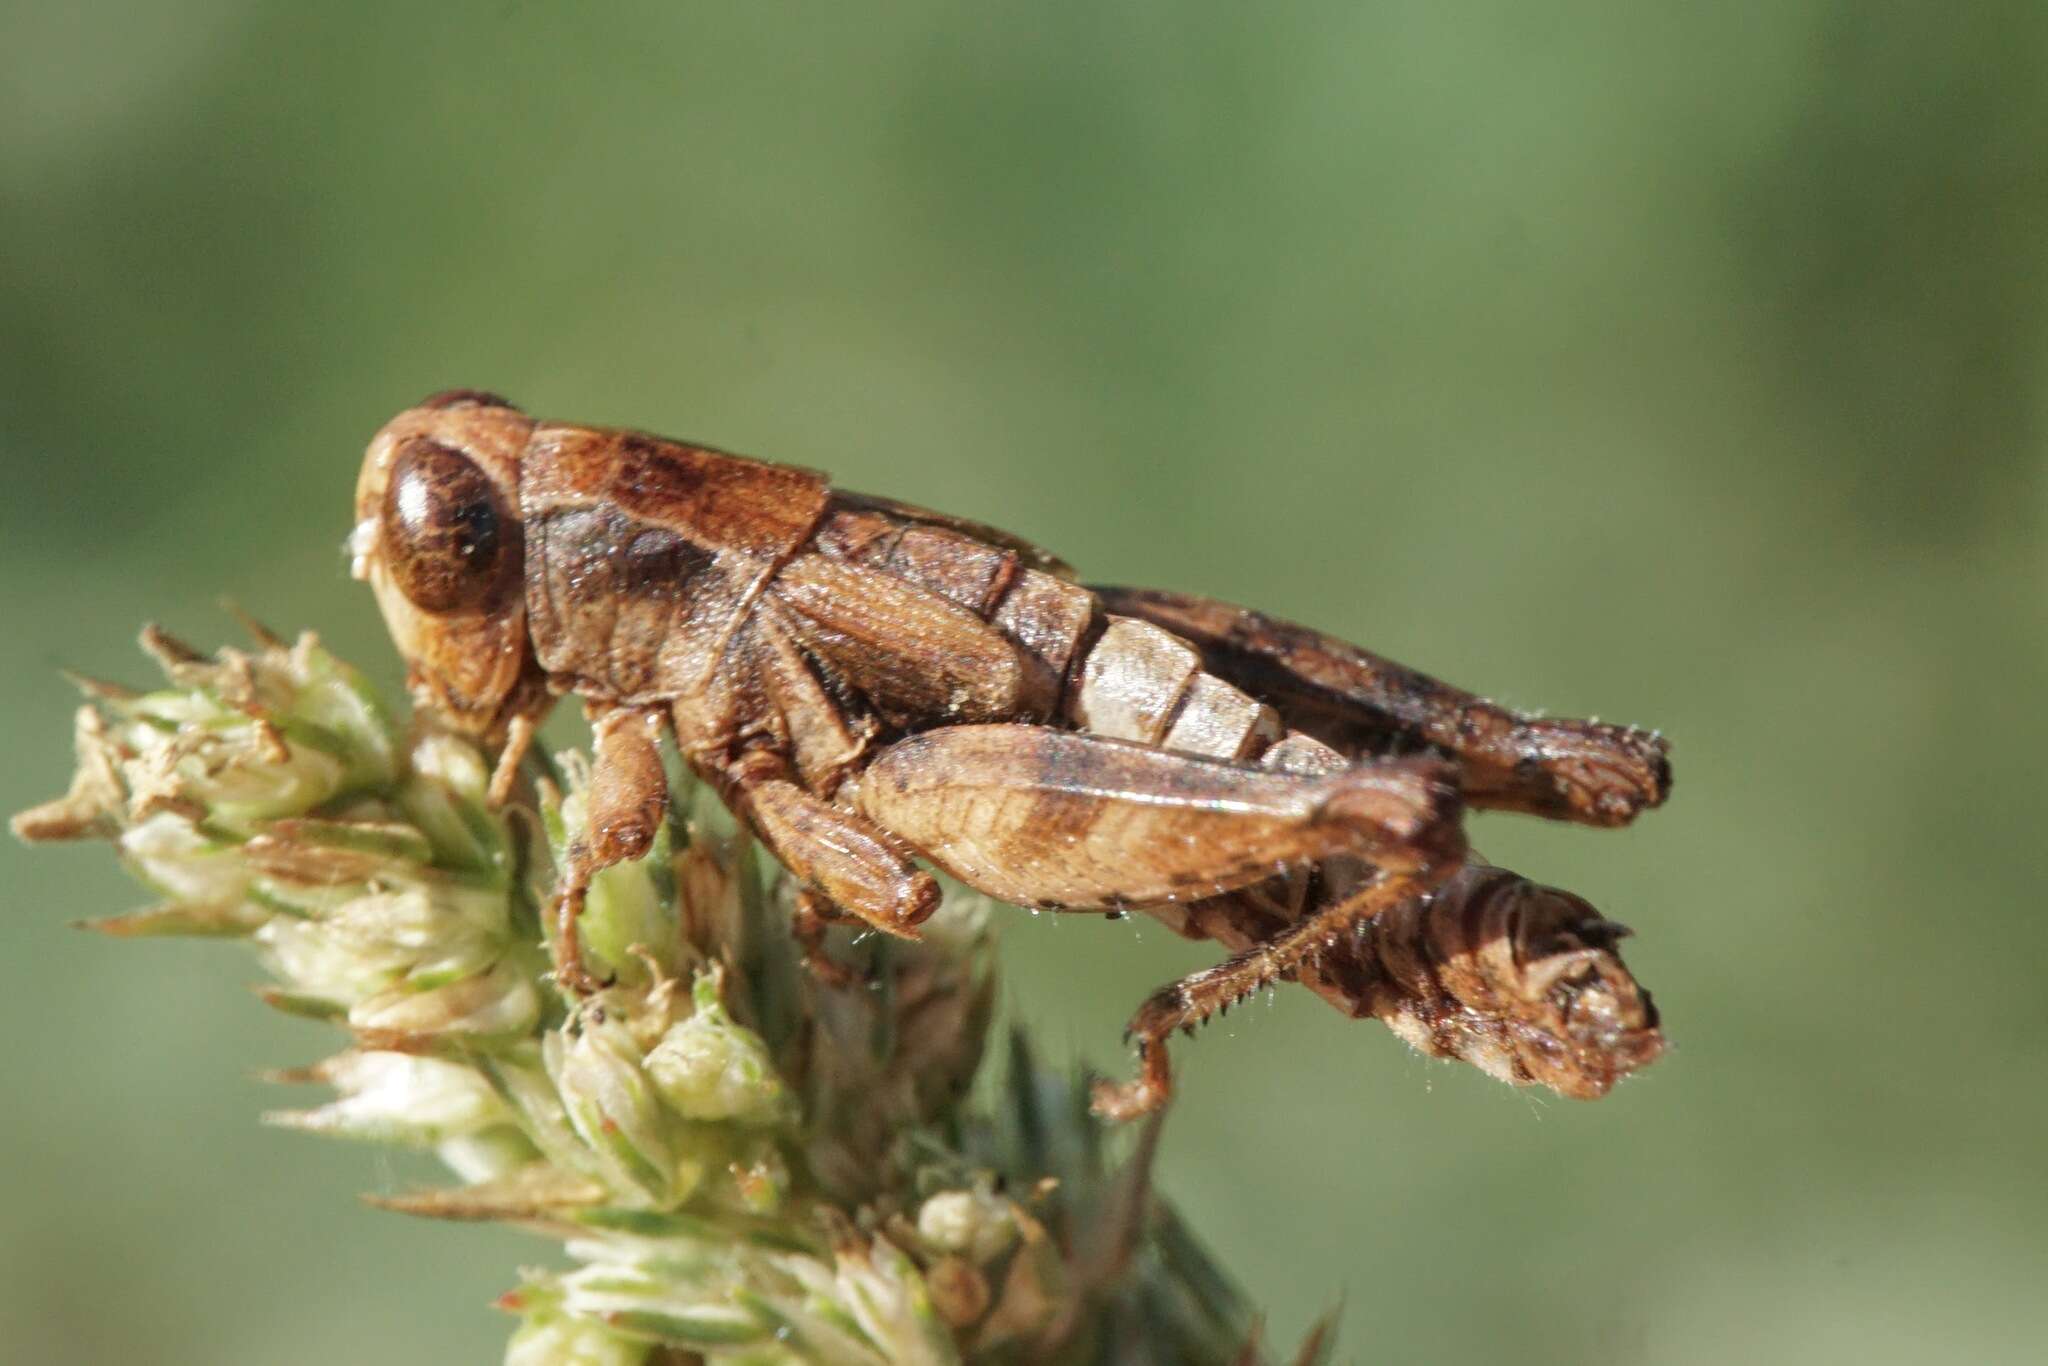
point(624, 807)
point(1362, 704)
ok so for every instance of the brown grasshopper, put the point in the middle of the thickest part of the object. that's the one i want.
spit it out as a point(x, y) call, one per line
point(866, 683)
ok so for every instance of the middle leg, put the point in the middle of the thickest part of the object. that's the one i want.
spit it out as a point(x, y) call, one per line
point(845, 868)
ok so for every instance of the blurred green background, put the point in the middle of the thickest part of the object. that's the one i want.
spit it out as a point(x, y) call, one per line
point(1681, 365)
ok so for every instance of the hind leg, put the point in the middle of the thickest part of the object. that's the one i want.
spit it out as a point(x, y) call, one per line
point(1360, 704)
point(1046, 817)
point(1053, 818)
point(1186, 1003)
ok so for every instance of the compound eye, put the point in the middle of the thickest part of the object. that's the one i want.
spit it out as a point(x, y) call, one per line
point(446, 539)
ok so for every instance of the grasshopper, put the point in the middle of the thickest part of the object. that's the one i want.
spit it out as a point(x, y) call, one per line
point(868, 684)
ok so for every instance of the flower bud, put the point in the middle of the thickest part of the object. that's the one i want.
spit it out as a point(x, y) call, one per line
point(617, 1112)
point(709, 1067)
point(390, 1097)
point(251, 738)
point(973, 1223)
point(501, 1002)
point(559, 1340)
point(169, 854)
point(758, 1177)
point(445, 796)
point(333, 706)
point(409, 939)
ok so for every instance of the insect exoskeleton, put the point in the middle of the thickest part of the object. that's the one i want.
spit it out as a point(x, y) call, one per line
point(871, 685)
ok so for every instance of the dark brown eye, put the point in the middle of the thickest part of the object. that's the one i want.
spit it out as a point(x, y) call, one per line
point(446, 538)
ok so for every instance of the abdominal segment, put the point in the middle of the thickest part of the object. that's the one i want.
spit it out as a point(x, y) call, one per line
point(939, 626)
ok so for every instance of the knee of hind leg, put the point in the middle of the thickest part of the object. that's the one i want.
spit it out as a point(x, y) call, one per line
point(1407, 811)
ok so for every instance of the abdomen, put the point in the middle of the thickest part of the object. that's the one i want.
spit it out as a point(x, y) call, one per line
point(938, 624)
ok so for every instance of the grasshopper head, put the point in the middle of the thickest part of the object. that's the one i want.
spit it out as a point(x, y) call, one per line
point(438, 537)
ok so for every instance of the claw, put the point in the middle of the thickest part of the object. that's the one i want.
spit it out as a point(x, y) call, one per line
point(1145, 1093)
point(570, 974)
point(579, 981)
point(812, 913)
point(1131, 1100)
point(830, 971)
